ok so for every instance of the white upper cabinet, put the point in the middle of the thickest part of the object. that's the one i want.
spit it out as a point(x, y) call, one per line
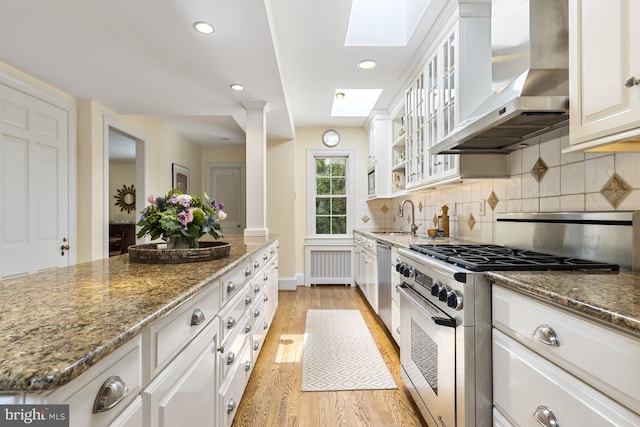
point(456, 77)
point(379, 163)
point(604, 63)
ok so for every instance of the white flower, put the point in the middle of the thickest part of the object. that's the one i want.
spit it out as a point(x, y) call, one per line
point(222, 215)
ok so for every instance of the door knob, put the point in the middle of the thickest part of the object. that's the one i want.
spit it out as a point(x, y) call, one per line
point(64, 247)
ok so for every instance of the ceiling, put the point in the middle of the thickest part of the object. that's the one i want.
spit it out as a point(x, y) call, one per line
point(144, 57)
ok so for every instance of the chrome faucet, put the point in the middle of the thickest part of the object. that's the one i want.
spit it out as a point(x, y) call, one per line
point(414, 227)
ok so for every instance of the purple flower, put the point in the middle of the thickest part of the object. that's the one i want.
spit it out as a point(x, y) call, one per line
point(185, 217)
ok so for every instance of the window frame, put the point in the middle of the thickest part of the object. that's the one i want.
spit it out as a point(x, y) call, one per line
point(350, 193)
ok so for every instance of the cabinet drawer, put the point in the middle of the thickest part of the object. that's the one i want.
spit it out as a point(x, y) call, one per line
point(233, 344)
point(233, 389)
point(525, 383)
point(172, 332)
point(233, 281)
point(232, 314)
point(123, 366)
point(601, 356)
point(260, 329)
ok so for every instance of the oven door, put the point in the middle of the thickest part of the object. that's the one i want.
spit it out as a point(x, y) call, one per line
point(427, 354)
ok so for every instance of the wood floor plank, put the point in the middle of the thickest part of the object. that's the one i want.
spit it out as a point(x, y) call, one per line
point(273, 396)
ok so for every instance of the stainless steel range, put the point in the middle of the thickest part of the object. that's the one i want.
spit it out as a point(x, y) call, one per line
point(445, 332)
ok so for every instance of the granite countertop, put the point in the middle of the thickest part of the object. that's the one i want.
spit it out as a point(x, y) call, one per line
point(613, 298)
point(61, 322)
point(404, 239)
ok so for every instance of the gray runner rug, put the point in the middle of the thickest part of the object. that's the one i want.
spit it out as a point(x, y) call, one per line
point(340, 354)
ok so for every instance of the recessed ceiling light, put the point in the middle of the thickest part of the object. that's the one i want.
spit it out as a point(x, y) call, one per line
point(367, 64)
point(237, 86)
point(340, 95)
point(203, 27)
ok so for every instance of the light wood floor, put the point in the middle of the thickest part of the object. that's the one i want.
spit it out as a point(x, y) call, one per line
point(273, 396)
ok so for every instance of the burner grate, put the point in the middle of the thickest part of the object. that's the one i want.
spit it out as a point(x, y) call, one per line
point(503, 258)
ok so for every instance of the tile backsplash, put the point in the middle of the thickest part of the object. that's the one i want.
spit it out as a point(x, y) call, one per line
point(541, 179)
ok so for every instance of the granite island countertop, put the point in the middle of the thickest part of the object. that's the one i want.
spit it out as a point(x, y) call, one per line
point(613, 298)
point(59, 323)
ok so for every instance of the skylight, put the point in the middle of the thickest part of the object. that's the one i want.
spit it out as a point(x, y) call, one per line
point(383, 22)
point(355, 102)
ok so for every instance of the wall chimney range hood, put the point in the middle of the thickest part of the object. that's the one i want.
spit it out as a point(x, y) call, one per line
point(530, 79)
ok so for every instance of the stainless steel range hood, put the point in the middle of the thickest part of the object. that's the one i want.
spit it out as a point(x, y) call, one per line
point(530, 79)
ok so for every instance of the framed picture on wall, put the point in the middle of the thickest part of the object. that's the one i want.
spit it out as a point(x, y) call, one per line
point(180, 177)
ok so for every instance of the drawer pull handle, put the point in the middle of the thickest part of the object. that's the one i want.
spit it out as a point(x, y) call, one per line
point(256, 313)
point(247, 271)
point(266, 326)
point(231, 357)
point(231, 286)
point(398, 330)
point(247, 328)
point(231, 323)
point(247, 366)
point(265, 257)
point(248, 301)
point(266, 298)
point(256, 264)
point(112, 391)
point(632, 81)
point(256, 346)
point(546, 335)
point(256, 289)
point(545, 417)
point(273, 251)
point(231, 406)
point(265, 278)
point(197, 317)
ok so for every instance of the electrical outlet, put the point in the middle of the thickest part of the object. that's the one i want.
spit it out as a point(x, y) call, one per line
point(482, 207)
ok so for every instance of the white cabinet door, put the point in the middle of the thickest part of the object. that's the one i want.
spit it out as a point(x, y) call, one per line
point(604, 42)
point(184, 394)
point(526, 385)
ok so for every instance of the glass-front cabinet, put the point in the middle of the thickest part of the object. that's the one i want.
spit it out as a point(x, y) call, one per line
point(452, 83)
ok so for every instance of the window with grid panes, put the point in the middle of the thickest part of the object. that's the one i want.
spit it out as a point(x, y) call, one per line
point(330, 195)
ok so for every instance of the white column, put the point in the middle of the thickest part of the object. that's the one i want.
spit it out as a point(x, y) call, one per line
point(256, 170)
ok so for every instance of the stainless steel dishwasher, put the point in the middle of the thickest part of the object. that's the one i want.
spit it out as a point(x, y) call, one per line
point(384, 282)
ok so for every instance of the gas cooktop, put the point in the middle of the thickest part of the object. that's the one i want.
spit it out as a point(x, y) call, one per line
point(502, 258)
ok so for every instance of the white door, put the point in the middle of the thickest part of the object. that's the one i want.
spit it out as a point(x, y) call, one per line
point(33, 184)
point(226, 185)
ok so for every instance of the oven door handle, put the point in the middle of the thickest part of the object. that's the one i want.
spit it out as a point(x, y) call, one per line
point(418, 300)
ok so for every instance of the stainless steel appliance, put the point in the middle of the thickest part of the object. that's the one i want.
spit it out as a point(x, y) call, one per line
point(384, 282)
point(445, 306)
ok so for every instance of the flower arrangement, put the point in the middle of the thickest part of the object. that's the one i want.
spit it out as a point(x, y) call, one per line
point(181, 216)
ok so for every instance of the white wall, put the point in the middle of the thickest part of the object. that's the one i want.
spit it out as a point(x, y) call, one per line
point(121, 173)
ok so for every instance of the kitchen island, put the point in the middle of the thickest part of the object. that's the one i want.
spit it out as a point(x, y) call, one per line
point(60, 323)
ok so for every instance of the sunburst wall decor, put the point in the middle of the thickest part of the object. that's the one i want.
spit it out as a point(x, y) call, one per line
point(126, 198)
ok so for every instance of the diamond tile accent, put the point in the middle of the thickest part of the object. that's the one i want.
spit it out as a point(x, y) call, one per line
point(365, 219)
point(615, 190)
point(420, 207)
point(493, 200)
point(471, 221)
point(539, 169)
point(384, 209)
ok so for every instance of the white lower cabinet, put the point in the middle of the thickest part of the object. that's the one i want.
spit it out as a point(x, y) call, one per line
point(184, 393)
point(132, 416)
point(553, 368)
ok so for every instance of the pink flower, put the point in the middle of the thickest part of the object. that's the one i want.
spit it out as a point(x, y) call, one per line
point(185, 217)
point(151, 199)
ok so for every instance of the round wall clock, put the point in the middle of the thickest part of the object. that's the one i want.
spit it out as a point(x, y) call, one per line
point(330, 138)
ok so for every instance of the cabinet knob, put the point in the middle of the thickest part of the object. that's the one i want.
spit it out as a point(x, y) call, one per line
point(546, 335)
point(248, 300)
point(256, 264)
point(256, 313)
point(247, 366)
point(247, 271)
point(632, 81)
point(231, 406)
point(112, 391)
point(545, 417)
point(256, 289)
point(256, 346)
point(231, 357)
point(197, 317)
point(265, 257)
point(247, 328)
point(231, 322)
point(266, 298)
point(230, 286)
